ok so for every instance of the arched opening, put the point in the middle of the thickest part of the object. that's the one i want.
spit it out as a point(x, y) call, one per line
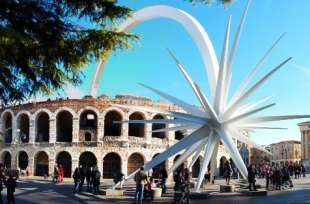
point(64, 126)
point(87, 137)
point(156, 126)
point(135, 161)
point(88, 125)
point(136, 129)
point(6, 159)
point(87, 160)
point(23, 128)
point(23, 160)
point(158, 169)
point(43, 127)
point(41, 164)
point(7, 127)
point(178, 135)
point(182, 166)
point(64, 159)
point(111, 128)
point(111, 165)
point(196, 168)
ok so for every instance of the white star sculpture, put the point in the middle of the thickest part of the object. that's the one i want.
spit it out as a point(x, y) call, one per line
point(216, 120)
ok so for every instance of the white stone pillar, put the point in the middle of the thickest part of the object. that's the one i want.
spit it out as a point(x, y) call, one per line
point(75, 130)
point(52, 130)
point(100, 129)
point(125, 128)
point(14, 130)
point(32, 133)
point(124, 165)
point(148, 133)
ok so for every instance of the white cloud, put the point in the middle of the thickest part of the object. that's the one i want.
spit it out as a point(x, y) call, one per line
point(74, 92)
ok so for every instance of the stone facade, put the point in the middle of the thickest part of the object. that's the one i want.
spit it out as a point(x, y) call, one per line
point(285, 151)
point(82, 131)
point(259, 157)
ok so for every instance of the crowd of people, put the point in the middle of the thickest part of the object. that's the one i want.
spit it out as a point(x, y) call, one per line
point(10, 184)
point(89, 174)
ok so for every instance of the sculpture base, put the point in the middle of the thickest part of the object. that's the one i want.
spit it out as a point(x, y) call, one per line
point(255, 193)
point(111, 192)
point(157, 193)
point(227, 188)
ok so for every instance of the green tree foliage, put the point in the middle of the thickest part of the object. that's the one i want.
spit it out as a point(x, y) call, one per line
point(44, 44)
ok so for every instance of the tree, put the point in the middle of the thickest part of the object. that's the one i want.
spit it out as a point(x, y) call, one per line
point(45, 44)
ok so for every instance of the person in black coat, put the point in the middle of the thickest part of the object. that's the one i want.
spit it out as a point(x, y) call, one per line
point(96, 180)
point(10, 186)
point(77, 180)
point(2, 182)
point(164, 176)
point(251, 177)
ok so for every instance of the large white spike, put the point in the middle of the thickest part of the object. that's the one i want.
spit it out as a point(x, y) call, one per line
point(187, 107)
point(207, 156)
point(233, 151)
point(248, 107)
point(187, 154)
point(254, 70)
point(187, 77)
point(247, 114)
point(262, 119)
point(207, 104)
point(179, 146)
point(213, 160)
point(196, 156)
point(220, 85)
point(160, 121)
point(180, 115)
point(234, 47)
point(247, 94)
point(250, 127)
point(176, 128)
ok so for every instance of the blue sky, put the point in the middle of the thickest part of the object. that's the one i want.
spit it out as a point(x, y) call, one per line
point(148, 61)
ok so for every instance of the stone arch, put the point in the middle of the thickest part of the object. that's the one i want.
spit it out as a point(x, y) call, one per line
point(64, 126)
point(111, 128)
point(135, 161)
point(42, 126)
point(183, 165)
point(87, 159)
point(136, 129)
point(7, 125)
point(112, 165)
point(6, 159)
point(88, 124)
point(41, 162)
point(157, 126)
point(157, 169)
point(23, 160)
point(23, 126)
point(64, 159)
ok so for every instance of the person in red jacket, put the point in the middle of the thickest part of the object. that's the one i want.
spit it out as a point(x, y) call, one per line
point(61, 173)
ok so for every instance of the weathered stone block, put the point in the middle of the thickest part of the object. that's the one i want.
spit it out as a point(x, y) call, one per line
point(227, 188)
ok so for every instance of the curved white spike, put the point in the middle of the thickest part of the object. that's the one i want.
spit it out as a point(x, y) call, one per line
point(248, 127)
point(244, 84)
point(187, 154)
point(240, 100)
point(213, 160)
point(187, 107)
point(220, 85)
point(160, 121)
point(233, 151)
point(248, 107)
point(234, 47)
point(179, 146)
point(247, 114)
point(207, 156)
point(262, 119)
point(187, 77)
point(176, 128)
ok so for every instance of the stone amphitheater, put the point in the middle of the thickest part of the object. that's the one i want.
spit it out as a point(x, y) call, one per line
point(76, 132)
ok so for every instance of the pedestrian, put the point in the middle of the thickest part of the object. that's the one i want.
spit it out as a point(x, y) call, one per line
point(227, 171)
point(77, 180)
point(303, 170)
point(140, 178)
point(278, 178)
point(96, 180)
point(56, 173)
point(61, 173)
point(251, 177)
point(89, 178)
point(164, 176)
point(10, 186)
point(83, 171)
point(2, 181)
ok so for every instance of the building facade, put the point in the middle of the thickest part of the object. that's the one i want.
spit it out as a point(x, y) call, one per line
point(259, 157)
point(285, 151)
point(75, 132)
